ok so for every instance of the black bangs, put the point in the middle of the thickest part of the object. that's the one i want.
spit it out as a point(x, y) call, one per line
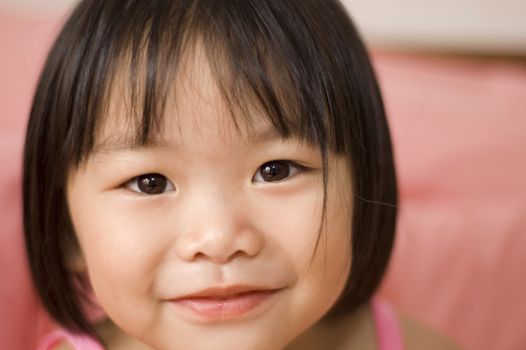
point(262, 54)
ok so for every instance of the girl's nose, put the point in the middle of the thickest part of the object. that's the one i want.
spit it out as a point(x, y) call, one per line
point(219, 231)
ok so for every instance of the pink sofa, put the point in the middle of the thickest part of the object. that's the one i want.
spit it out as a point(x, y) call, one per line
point(459, 129)
point(23, 45)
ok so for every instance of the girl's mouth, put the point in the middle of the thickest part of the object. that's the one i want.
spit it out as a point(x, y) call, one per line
point(225, 304)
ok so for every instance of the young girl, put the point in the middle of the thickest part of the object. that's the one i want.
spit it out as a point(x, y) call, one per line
point(218, 174)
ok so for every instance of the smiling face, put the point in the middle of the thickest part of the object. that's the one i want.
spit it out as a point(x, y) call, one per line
point(210, 237)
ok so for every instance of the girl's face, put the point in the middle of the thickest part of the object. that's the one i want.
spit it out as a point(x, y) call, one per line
point(210, 238)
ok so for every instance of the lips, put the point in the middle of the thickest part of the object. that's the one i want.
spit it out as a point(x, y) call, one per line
point(225, 303)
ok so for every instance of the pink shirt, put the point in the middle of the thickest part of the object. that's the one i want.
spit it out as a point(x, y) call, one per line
point(388, 332)
point(79, 342)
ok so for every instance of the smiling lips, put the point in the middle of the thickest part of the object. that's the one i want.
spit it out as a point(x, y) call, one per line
point(224, 303)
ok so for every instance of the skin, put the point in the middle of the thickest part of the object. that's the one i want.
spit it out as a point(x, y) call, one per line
point(217, 224)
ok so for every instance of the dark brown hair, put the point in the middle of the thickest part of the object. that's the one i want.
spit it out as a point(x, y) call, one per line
point(301, 61)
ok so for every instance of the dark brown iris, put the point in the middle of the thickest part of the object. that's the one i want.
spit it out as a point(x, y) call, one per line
point(274, 171)
point(152, 183)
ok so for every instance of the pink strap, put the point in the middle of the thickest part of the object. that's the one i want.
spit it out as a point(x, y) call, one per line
point(388, 330)
point(79, 342)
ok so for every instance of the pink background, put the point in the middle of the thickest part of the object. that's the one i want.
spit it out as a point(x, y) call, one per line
point(459, 129)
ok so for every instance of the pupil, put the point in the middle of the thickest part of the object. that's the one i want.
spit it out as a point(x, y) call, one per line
point(152, 183)
point(275, 171)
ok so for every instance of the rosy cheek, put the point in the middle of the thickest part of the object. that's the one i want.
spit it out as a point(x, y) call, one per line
point(117, 246)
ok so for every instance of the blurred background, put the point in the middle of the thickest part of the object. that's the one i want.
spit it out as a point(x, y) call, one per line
point(453, 74)
point(469, 26)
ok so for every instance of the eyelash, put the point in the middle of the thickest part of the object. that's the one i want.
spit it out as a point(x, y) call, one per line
point(270, 167)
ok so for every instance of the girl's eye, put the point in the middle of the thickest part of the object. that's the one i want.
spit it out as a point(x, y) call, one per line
point(150, 184)
point(276, 171)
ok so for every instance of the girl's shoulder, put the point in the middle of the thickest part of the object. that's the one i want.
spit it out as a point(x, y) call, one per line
point(417, 336)
point(379, 326)
point(64, 345)
point(397, 332)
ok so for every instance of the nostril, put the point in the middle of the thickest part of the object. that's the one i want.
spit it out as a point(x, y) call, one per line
point(199, 256)
point(220, 248)
point(218, 238)
point(219, 258)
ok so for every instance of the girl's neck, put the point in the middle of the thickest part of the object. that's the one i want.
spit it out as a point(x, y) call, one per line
point(355, 331)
